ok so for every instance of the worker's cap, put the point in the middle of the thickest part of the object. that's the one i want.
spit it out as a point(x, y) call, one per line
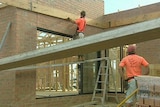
point(131, 49)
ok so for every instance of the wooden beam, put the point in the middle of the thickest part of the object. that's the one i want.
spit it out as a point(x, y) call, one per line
point(130, 34)
point(2, 5)
point(136, 19)
point(46, 10)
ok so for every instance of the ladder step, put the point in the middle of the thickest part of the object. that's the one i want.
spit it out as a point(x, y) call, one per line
point(98, 97)
point(104, 66)
point(100, 81)
point(99, 89)
point(112, 96)
point(103, 74)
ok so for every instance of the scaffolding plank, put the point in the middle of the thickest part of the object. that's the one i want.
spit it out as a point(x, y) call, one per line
point(135, 33)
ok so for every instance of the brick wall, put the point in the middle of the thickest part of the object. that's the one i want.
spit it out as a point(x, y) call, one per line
point(26, 34)
point(17, 88)
point(7, 15)
point(21, 30)
point(25, 88)
point(93, 8)
point(7, 88)
point(150, 50)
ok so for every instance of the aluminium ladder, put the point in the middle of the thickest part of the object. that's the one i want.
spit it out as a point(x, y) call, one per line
point(103, 81)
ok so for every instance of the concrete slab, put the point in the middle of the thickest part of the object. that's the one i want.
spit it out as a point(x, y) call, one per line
point(135, 33)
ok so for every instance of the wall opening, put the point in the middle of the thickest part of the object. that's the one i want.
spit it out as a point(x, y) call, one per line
point(56, 77)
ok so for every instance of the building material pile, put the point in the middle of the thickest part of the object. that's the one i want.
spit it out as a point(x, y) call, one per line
point(149, 91)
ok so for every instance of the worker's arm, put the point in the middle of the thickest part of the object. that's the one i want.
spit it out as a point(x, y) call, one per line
point(71, 20)
point(121, 72)
point(146, 70)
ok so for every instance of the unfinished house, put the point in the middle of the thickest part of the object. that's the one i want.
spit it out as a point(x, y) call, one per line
point(39, 65)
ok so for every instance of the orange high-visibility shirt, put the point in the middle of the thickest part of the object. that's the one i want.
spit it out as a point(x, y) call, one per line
point(133, 64)
point(81, 24)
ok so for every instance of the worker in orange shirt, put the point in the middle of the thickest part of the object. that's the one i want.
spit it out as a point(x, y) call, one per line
point(132, 64)
point(81, 25)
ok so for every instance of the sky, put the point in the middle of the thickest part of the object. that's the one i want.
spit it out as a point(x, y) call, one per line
point(112, 6)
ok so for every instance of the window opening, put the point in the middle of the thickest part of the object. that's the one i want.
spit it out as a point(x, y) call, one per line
point(57, 80)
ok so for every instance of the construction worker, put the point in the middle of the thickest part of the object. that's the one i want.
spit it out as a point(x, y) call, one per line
point(81, 24)
point(132, 64)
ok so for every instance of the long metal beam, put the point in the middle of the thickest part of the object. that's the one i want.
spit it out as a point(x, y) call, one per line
point(57, 65)
point(5, 35)
point(135, 33)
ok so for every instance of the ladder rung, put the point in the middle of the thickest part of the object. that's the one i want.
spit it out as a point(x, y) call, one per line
point(104, 66)
point(103, 74)
point(111, 96)
point(100, 81)
point(98, 97)
point(99, 89)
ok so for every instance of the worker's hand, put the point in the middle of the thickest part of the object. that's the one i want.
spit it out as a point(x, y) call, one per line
point(69, 19)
